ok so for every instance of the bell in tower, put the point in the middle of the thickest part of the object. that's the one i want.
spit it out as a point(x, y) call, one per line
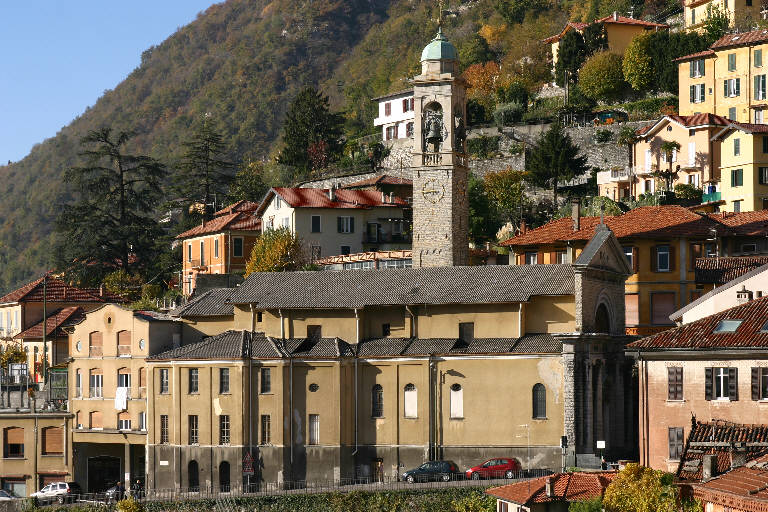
point(440, 207)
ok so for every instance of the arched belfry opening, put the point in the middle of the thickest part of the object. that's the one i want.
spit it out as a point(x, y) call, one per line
point(602, 319)
point(433, 128)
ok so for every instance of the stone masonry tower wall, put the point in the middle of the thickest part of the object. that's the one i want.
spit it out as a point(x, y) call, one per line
point(440, 164)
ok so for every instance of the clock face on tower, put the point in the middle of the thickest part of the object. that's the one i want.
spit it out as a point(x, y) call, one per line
point(433, 191)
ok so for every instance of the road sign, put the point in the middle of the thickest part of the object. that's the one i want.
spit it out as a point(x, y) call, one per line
point(247, 464)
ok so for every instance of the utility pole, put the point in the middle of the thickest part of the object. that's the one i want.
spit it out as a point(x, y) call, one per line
point(45, 328)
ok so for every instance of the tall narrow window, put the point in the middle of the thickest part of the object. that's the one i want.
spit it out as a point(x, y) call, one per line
point(237, 247)
point(142, 382)
point(95, 344)
point(737, 177)
point(143, 421)
point(224, 482)
point(388, 109)
point(215, 247)
point(78, 384)
point(663, 258)
point(467, 331)
point(266, 380)
point(224, 429)
point(202, 253)
point(266, 429)
point(223, 380)
point(189, 252)
point(316, 224)
point(731, 62)
point(410, 402)
point(96, 384)
point(457, 401)
point(736, 147)
point(721, 383)
point(314, 429)
point(676, 442)
point(539, 401)
point(124, 380)
point(194, 432)
point(194, 381)
point(163, 381)
point(124, 343)
point(193, 476)
point(675, 383)
point(377, 401)
point(164, 429)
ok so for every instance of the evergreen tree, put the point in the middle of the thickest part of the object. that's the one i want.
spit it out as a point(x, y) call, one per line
point(203, 173)
point(595, 38)
point(570, 57)
point(475, 51)
point(248, 184)
point(310, 124)
point(483, 220)
point(555, 158)
point(110, 226)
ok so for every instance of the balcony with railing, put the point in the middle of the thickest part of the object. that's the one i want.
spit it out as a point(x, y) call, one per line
point(197, 264)
point(710, 198)
point(436, 159)
point(95, 392)
point(387, 238)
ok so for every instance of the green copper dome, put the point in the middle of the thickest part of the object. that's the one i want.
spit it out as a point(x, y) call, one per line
point(440, 48)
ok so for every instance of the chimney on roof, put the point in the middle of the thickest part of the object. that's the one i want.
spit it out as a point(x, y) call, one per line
point(615, 16)
point(332, 192)
point(708, 467)
point(743, 296)
point(101, 290)
point(383, 197)
point(550, 490)
point(576, 213)
point(738, 457)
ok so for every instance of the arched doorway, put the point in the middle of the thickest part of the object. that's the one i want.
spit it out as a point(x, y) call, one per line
point(224, 485)
point(193, 476)
point(602, 319)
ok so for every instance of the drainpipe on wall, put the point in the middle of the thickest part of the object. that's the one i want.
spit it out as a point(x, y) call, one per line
point(357, 325)
point(290, 406)
point(519, 319)
point(413, 321)
point(356, 430)
point(282, 324)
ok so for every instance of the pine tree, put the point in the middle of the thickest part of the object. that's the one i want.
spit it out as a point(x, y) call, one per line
point(203, 173)
point(555, 158)
point(110, 225)
point(309, 123)
point(248, 184)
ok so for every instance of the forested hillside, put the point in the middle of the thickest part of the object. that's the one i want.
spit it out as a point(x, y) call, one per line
point(242, 62)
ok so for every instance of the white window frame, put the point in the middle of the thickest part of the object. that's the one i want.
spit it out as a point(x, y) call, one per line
point(720, 376)
point(124, 424)
point(124, 377)
point(346, 224)
point(457, 401)
point(313, 424)
point(531, 255)
point(216, 248)
point(96, 385)
point(658, 258)
point(143, 421)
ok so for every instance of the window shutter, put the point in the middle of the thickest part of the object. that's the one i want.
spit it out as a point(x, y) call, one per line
point(338, 224)
point(755, 383)
point(14, 435)
point(351, 224)
point(695, 253)
point(654, 259)
point(733, 383)
point(635, 260)
point(757, 87)
point(553, 257)
point(671, 442)
point(671, 257)
point(693, 94)
point(738, 86)
point(703, 67)
point(680, 441)
point(540, 258)
point(708, 384)
point(53, 440)
point(725, 88)
point(691, 68)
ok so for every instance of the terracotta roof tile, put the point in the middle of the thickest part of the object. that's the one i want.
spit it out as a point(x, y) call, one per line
point(749, 485)
point(57, 290)
point(623, 20)
point(54, 323)
point(700, 334)
point(745, 223)
point(318, 198)
point(705, 53)
point(579, 486)
point(240, 206)
point(643, 222)
point(720, 271)
point(720, 438)
point(743, 39)
point(242, 221)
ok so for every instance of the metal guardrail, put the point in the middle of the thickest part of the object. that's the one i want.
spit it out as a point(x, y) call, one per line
point(372, 484)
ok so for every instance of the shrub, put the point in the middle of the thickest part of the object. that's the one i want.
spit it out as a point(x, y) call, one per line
point(601, 77)
point(603, 136)
point(477, 113)
point(516, 148)
point(508, 113)
point(686, 191)
point(483, 146)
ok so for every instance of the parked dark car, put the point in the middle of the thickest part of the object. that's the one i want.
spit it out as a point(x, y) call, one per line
point(495, 468)
point(444, 470)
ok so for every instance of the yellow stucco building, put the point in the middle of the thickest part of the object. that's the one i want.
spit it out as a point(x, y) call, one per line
point(729, 79)
point(329, 376)
point(744, 164)
point(695, 11)
point(619, 31)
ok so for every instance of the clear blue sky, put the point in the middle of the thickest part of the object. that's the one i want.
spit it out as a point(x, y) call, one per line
point(59, 56)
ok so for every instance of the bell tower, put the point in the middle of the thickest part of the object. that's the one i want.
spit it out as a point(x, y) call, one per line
point(440, 165)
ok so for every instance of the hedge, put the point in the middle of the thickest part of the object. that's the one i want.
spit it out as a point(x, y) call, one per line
point(456, 499)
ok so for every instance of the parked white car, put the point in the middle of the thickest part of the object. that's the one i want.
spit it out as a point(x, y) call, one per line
point(7, 495)
point(61, 492)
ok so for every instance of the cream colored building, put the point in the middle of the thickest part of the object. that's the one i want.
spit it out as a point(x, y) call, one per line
point(339, 221)
point(695, 11)
point(698, 158)
point(329, 372)
point(108, 391)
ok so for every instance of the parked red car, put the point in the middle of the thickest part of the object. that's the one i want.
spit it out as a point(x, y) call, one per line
point(494, 468)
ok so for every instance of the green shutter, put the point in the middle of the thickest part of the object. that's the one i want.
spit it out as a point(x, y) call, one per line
point(738, 86)
point(725, 88)
point(693, 94)
point(758, 58)
point(703, 67)
point(757, 87)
